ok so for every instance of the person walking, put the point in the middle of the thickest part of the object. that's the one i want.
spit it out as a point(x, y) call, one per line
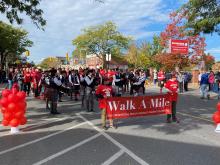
point(172, 86)
point(204, 84)
point(180, 81)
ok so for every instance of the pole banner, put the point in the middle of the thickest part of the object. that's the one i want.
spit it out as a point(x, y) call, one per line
point(126, 107)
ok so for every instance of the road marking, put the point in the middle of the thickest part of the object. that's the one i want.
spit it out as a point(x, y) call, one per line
point(40, 139)
point(123, 148)
point(113, 158)
point(67, 149)
point(25, 129)
point(196, 117)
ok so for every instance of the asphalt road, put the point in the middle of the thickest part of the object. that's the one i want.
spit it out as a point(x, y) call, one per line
point(75, 137)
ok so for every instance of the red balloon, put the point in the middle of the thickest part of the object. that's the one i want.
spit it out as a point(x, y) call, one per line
point(3, 110)
point(19, 115)
point(21, 106)
point(216, 117)
point(21, 96)
point(6, 92)
point(4, 102)
point(7, 116)
point(11, 107)
point(218, 106)
point(23, 121)
point(14, 122)
point(14, 91)
point(5, 122)
point(12, 98)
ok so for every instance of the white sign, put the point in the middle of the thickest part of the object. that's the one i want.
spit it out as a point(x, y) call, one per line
point(217, 130)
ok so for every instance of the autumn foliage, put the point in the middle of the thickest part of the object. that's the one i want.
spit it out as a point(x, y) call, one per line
point(177, 30)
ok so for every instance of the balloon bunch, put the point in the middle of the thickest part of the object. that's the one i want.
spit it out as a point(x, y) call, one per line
point(216, 115)
point(13, 107)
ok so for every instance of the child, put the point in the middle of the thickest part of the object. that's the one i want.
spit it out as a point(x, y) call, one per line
point(172, 86)
point(103, 92)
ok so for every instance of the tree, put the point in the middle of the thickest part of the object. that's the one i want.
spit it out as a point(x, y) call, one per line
point(13, 41)
point(101, 39)
point(13, 8)
point(202, 15)
point(50, 62)
point(176, 30)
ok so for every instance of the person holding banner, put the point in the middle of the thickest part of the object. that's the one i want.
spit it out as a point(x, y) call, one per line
point(172, 86)
point(104, 91)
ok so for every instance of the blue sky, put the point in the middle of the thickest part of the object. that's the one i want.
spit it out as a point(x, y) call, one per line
point(65, 19)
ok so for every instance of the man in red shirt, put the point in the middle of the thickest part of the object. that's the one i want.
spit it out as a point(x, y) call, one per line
point(104, 91)
point(161, 79)
point(27, 81)
point(172, 86)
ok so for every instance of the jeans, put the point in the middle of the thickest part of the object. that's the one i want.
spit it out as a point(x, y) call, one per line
point(204, 90)
point(10, 83)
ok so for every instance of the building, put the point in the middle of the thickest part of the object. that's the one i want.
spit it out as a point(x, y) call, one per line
point(94, 62)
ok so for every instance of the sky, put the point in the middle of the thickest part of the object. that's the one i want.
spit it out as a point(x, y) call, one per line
point(140, 19)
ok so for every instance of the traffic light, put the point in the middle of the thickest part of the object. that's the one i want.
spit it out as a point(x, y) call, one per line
point(27, 53)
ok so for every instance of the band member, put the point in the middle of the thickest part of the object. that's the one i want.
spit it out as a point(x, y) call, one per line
point(76, 83)
point(118, 82)
point(54, 86)
point(104, 91)
point(90, 91)
point(137, 83)
point(161, 79)
point(172, 86)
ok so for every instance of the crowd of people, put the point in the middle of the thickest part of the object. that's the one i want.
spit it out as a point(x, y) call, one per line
point(89, 84)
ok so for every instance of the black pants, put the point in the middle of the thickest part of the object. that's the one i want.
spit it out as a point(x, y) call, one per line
point(27, 87)
point(180, 84)
point(173, 115)
point(134, 87)
point(186, 86)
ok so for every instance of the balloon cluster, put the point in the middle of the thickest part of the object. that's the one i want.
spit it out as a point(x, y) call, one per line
point(13, 107)
point(216, 115)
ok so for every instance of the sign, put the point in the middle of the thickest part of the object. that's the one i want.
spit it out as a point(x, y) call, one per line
point(179, 47)
point(126, 107)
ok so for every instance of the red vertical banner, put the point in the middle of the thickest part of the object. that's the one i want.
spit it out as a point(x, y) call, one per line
point(126, 107)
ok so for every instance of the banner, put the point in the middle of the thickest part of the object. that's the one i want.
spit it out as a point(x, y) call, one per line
point(125, 107)
point(179, 46)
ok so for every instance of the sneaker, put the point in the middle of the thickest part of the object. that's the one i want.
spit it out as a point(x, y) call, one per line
point(112, 126)
point(176, 120)
point(55, 113)
point(201, 97)
point(91, 110)
point(104, 128)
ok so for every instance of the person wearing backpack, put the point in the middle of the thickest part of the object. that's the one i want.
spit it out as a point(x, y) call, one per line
point(204, 84)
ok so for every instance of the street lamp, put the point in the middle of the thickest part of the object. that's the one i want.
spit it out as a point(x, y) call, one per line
point(108, 58)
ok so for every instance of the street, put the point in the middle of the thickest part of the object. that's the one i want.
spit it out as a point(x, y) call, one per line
point(75, 137)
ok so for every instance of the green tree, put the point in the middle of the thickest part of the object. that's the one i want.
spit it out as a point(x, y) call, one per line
point(50, 62)
point(13, 8)
point(203, 15)
point(101, 39)
point(13, 41)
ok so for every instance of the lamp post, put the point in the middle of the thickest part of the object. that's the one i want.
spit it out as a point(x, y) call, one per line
point(108, 58)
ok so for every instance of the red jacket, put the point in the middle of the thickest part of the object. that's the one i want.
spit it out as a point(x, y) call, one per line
point(172, 86)
point(105, 91)
point(161, 76)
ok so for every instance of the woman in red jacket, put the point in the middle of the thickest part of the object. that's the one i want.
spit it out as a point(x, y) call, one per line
point(27, 81)
point(172, 86)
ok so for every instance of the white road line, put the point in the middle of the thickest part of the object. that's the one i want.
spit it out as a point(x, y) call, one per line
point(40, 139)
point(25, 129)
point(123, 148)
point(67, 150)
point(113, 158)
